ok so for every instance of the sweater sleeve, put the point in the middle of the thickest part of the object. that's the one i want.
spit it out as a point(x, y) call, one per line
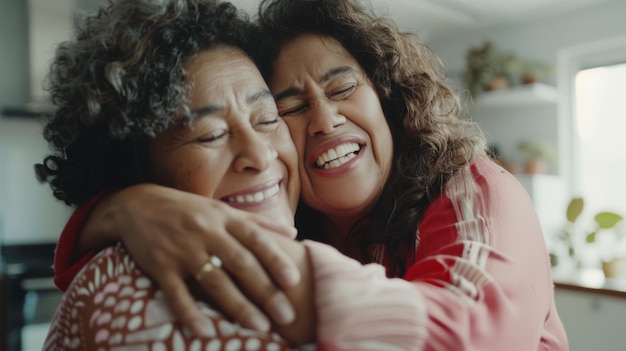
point(480, 281)
point(360, 309)
point(65, 269)
point(483, 269)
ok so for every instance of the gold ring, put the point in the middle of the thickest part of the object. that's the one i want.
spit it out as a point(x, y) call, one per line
point(212, 263)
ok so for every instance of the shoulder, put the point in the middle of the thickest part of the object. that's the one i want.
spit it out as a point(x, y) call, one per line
point(478, 196)
point(483, 183)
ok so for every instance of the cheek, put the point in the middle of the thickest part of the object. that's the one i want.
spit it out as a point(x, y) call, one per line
point(384, 148)
point(197, 177)
point(190, 174)
point(297, 131)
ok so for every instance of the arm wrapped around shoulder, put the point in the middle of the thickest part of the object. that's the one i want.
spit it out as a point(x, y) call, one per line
point(359, 308)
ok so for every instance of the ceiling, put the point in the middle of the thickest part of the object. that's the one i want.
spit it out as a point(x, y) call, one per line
point(432, 17)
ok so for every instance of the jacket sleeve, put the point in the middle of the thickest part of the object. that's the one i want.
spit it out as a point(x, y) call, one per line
point(481, 279)
point(65, 267)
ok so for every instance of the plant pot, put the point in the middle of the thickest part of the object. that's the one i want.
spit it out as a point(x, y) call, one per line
point(614, 268)
point(497, 83)
point(536, 166)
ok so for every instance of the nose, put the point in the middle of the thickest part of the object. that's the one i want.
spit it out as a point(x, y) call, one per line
point(324, 118)
point(255, 152)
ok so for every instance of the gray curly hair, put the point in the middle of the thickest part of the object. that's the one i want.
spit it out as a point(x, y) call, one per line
point(121, 81)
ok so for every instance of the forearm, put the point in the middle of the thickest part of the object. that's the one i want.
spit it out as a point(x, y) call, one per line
point(98, 231)
point(359, 308)
point(303, 329)
point(116, 214)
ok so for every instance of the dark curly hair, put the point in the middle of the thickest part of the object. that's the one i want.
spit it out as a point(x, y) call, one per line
point(431, 141)
point(121, 81)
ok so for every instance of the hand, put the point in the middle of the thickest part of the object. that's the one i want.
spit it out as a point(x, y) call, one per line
point(171, 233)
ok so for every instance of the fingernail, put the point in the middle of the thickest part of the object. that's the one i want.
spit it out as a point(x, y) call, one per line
point(284, 311)
point(290, 276)
point(202, 327)
point(259, 323)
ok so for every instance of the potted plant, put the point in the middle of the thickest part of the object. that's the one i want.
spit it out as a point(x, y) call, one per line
point(537, 155)
point(604, 223)
point(487, 69)
point(532, 72)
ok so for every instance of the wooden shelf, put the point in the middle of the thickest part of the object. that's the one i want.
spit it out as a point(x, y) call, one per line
point(525, 95)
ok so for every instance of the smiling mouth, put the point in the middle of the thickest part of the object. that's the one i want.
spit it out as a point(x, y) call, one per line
point(253, 198)
point(338, 156)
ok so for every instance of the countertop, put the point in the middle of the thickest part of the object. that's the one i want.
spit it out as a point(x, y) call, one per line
point(590, 280)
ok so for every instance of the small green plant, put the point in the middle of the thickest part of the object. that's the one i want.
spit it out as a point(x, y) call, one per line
point(605, 220)
point(538, 156)
point(486, 65)
point(533, 71)
point(538, 150)
point(483, 64)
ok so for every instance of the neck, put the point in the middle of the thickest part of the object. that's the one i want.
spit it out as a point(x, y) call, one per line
point(337, 227)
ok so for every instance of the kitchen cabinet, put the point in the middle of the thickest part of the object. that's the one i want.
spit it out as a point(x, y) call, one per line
point(592, 321)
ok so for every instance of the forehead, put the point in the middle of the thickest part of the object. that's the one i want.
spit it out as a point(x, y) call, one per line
point(310, 54)
point(223, 69)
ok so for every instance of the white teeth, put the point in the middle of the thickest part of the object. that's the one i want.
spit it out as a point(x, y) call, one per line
point(338, 156)
point(332, 154)
point(256, 197)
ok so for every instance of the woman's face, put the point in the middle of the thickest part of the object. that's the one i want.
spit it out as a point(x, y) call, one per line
point(336, 121)
point(237, 149)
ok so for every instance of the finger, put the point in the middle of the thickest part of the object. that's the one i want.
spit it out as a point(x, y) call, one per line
point(224, 293)
point(259, 241)
point(183, 305)
point(277, 227)
point(253, 279)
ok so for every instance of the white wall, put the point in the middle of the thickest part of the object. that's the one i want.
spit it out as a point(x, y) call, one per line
point(539, 39)
point(14, 82)
point(28, 211)
point(49, 24)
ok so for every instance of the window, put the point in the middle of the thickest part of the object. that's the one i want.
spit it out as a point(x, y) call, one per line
point(600, 134)
point(592, 139)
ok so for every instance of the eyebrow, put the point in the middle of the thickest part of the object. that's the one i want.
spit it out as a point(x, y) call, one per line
point(207, 110)
point(335, 71)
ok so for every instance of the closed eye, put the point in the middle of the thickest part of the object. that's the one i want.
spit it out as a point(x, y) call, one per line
point(268, 124)
point(213, 137)
point(270, 121)
point(294, 110)
point(342, 92)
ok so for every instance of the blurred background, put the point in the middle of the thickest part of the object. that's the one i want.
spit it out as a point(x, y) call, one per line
point(545, 79)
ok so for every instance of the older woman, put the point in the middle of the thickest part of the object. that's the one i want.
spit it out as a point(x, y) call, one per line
point(165, 94)
point(391, 175)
